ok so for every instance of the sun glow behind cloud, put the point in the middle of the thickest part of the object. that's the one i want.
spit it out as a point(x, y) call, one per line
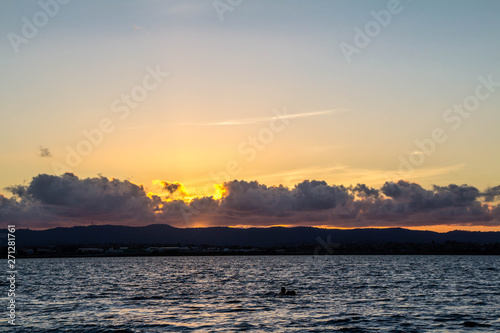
point(220, 191)
point(176, 191)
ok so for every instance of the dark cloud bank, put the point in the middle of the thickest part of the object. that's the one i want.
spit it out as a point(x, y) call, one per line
point(67, 200)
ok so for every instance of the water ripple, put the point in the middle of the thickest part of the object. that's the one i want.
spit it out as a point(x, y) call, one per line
point(233, 294)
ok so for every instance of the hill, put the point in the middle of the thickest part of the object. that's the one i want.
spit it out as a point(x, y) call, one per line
point(224, 236)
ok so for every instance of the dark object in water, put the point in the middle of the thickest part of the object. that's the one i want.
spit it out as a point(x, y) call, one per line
point(470, 324)
point(287, 292)
point(474, 324)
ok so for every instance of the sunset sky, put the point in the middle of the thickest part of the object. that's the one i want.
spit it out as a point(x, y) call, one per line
point(193, 113)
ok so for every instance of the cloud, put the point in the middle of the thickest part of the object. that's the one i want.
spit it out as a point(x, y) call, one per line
point(491, 193)
point(410, 204)
point(314, 202)
point(15, 212)
point(252, 197)
point(250, 121)
point(318, 195)
point(44, 152)
point(171, 187)
point(65, 199)
point(365, 192)
point(68, 200)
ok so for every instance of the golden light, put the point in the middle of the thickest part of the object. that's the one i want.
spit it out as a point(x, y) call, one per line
point(172, 190)
point(220, 191)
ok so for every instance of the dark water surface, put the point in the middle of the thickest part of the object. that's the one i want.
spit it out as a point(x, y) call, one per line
point(231, 294)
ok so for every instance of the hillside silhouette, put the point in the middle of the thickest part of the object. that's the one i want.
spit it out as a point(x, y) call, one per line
point(254, 237)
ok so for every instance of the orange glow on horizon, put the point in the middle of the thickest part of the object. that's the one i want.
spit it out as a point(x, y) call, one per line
point(435, 228)
point(447, 228)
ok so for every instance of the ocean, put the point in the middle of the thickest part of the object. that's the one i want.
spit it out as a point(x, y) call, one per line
point(241, 293)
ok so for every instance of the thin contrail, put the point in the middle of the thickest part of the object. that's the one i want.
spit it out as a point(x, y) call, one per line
point(248, 121)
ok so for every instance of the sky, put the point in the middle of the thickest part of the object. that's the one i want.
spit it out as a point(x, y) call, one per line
point(250, 113)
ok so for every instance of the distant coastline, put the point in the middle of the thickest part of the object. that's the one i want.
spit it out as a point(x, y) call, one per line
point(164, 240)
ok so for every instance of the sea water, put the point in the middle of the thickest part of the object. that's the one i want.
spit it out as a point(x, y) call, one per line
point(241, 293)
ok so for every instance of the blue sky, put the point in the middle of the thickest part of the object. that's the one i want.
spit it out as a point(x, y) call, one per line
point(263, 55)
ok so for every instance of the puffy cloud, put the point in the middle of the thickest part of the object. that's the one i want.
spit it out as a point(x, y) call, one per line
point(280, 200)
point(315, 202)
point(418, 198)
point(67, 200)
point(491, 193)
point(364, 191)
point(318, 195)
point(409, 204)
point(19, 212)
point(252, 197)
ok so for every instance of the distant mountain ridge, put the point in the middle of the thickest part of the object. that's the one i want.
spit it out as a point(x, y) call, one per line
point(225, 236)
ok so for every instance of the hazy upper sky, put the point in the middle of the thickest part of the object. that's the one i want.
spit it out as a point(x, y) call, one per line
point(203, 92)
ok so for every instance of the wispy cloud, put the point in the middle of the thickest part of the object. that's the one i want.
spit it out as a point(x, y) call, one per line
point(344, 174)
point(295, 175)
point(251, 121)
point(423, 172)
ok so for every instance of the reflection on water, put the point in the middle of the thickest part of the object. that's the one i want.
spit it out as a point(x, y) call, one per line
point(228, 294)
